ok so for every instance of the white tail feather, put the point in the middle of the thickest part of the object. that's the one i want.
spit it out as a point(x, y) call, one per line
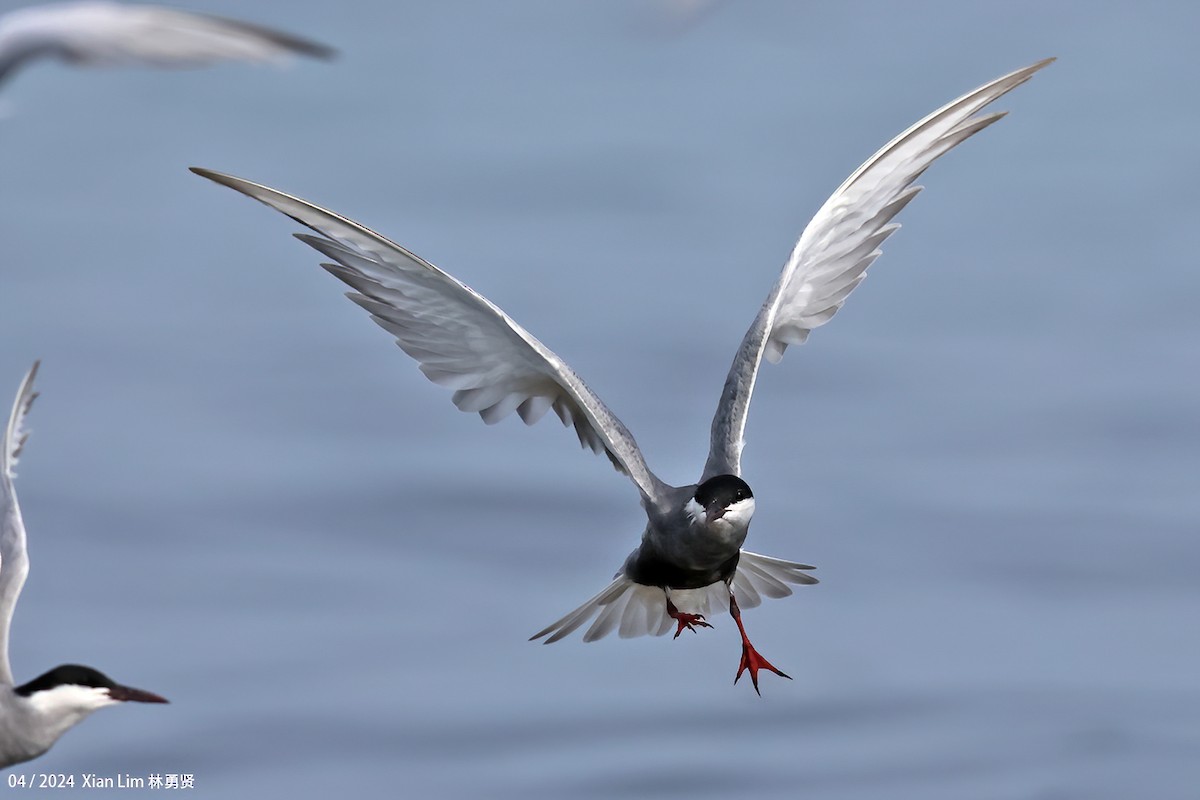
point(625, 606)
point(633, 609)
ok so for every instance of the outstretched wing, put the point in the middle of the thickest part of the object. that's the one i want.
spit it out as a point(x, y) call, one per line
point(14, 563)
point(459, 337)
point(833, 253)
point(107, 33)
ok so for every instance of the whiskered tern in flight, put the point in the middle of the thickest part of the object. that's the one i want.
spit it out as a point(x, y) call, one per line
point(690, 553)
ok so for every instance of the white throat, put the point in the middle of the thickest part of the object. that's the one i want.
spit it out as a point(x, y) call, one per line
point(739, 513)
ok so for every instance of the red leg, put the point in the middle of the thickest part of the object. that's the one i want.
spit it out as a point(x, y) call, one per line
point(684, 620)
point(751, 660)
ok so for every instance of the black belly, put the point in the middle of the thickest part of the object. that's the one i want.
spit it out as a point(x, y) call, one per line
point(649, 569)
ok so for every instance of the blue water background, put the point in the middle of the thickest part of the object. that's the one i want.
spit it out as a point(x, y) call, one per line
point(240, 494)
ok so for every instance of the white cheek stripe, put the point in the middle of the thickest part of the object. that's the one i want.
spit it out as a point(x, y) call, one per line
point(741, 511)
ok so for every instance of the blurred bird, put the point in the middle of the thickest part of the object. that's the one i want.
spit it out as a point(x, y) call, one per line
point(676, 16)
point(97, 33)
point(690, 554)
point(35, 714)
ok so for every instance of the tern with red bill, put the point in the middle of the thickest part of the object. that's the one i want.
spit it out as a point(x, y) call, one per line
point(35, 714)
point(690, 557)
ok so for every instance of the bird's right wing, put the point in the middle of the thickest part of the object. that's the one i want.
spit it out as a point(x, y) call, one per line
point(104, 33)
point(14, 562)
point(460, 338)
point(837, 247)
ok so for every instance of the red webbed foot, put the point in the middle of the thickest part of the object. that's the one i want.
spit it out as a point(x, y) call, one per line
point(689, 621)
point(685, 620)
point(751, 659)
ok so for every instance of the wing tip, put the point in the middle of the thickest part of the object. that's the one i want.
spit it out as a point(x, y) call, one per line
point(292, 44)
point(242, 185)
point(232, 181)
point(15, 434)
point(212, 175)
point(1019, 76)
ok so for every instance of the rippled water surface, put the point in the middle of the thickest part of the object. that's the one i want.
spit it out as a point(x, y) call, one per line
point(240, 494)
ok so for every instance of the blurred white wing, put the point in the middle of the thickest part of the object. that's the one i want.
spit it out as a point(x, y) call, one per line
point(104, 33)
point(459, 337)
point(14, 563)
point(833, 253)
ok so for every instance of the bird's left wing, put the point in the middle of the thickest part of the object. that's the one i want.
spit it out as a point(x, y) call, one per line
point(837, 246)
point(14, 562)
point(460, 338)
